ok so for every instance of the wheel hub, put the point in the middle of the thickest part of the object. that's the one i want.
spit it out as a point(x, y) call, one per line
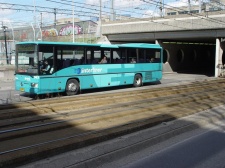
point(138, 81)
point(72, 87)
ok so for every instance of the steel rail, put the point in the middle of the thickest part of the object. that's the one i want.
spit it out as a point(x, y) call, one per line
point(174, 97)
point(83, 98)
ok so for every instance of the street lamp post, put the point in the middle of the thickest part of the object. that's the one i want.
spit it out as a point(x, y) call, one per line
point(4, 29)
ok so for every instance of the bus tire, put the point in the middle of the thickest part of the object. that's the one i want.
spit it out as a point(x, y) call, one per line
point(72, 87)
point(137, 80)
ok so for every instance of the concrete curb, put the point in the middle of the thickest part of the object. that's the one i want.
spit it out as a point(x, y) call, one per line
point(109, 151)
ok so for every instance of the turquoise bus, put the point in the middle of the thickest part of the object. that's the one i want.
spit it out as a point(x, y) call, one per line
point(54, 67)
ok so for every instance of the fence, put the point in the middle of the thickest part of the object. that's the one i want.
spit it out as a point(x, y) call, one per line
point(3, 60)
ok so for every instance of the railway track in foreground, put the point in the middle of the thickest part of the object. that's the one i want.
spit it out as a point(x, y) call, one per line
point(34, 130)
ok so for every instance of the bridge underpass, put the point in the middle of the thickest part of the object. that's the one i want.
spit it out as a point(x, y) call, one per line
point(194, 49)
point(189, 57)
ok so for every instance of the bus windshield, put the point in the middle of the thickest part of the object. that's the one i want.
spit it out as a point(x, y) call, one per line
point(26, 60)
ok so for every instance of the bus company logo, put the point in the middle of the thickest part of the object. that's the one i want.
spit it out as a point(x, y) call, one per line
point(77, 71)
point(87, 70)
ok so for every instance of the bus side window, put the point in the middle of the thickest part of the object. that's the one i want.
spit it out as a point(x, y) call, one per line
point(95, 61)
point(142, 55)
point(75, 62)
point(96, 56)
point(118, 61)
point(88, 57)
point(66, 63)
point(117, 57)
point(82, 60)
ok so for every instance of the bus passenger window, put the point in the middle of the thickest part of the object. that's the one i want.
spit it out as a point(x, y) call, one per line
point(152, 60)
point(66, 63)
point(103, 60)
point(117, 59)
point(82, 60)
point(142, 56)
point(88, 57)
point(132, 60)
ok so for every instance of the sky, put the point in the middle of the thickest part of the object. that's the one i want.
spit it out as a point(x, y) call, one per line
point(84, 9)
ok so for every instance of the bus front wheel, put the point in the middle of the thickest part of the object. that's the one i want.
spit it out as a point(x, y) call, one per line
point(72, 87)
point(137, 80)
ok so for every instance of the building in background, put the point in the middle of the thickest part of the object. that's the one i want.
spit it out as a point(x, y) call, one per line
point(212, 6)
point(84, 31)
point(66, 20)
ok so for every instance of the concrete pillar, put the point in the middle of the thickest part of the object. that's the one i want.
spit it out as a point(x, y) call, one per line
point(218, 61)
point(166, 66)
point(158, 42)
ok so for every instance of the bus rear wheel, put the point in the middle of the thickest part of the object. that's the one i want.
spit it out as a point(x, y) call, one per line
point(137, 80)
point(72, 87)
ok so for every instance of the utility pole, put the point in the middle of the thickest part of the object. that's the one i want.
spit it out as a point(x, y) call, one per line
point(41, 20)
point(55, 17)
point(200, 6)
point(100, 17)
point(34, 26)
point(73, 21)
point(6, 54)
point(112, 10)
point(161, 8)
point(189, 6)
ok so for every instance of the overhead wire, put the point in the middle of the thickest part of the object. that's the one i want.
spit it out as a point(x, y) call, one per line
point(132, 17)
point(154, 2)
point(104, 11)
point(177, 10)
point(95, 6)
point(40, 9)
point(191, 14)
point(79, 11)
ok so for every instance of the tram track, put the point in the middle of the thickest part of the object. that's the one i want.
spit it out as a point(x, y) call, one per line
point(43, 128)
point(96, 97)
point(96, 111)
point(56, 104)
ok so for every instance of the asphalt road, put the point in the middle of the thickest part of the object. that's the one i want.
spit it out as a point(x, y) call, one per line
point(203, 150)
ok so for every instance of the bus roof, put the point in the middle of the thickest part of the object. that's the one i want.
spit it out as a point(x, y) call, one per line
point(128, 45)
point(140, 45)
point(58, 43)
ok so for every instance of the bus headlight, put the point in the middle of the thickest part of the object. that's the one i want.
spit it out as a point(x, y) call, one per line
point(35, 85)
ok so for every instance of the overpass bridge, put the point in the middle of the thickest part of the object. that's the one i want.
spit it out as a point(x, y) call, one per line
point(192, 43)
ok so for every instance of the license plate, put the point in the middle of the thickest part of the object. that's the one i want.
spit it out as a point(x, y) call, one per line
point(22, 89)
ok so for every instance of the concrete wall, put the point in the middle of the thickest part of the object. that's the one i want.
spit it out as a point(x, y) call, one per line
point(7, 72)
point(220, 57)
point(173, 23)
